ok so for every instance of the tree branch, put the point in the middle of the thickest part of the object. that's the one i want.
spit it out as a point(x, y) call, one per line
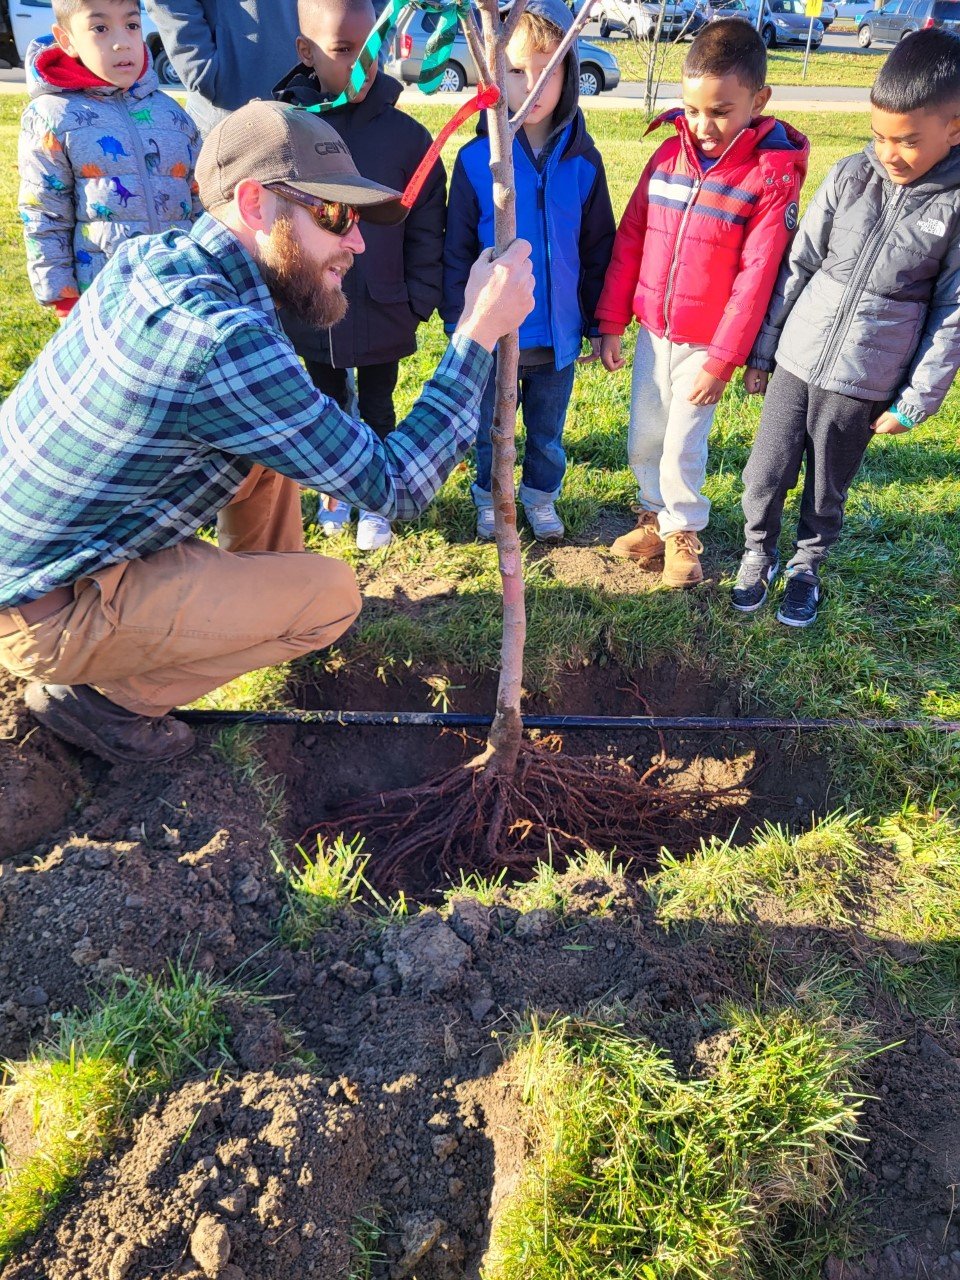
point(562, 49)
point(475, 45)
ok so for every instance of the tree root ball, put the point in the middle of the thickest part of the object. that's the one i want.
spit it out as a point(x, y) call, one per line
point(478, 817)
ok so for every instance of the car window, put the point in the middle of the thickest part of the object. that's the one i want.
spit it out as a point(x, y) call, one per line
point(947, 11)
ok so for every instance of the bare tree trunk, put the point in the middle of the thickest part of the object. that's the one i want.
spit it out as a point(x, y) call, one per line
point(507, 727)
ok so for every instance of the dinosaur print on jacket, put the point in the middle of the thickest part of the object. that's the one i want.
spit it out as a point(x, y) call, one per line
point(97, 166)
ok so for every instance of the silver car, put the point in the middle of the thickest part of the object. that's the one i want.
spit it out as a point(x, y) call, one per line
point(638, 18)
point(599, 70)
point(784, 21)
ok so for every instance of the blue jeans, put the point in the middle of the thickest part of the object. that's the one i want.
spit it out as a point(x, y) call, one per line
point(543, 392)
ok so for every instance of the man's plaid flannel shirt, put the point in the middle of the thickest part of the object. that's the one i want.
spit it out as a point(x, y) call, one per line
point(140, 418)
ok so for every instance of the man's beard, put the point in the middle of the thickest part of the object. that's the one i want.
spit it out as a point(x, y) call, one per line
point(296, 282)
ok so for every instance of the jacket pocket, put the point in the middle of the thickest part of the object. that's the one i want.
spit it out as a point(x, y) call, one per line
point(387, 291)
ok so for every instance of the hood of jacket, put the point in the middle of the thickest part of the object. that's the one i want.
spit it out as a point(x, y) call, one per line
point(764, 135)
point(944, 176)
point(567, 110)
point(300, 87)
point(50, 70)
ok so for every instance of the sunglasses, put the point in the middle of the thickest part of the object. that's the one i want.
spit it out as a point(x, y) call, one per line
point(329, 215)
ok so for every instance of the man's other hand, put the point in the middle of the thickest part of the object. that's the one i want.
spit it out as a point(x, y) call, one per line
point(498, 296)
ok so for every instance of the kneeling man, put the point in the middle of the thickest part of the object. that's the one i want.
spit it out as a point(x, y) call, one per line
point(172, 398)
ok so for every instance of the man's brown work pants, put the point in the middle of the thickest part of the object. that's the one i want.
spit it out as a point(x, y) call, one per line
point(156, 633)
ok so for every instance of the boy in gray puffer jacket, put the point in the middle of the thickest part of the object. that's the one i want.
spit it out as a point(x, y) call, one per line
point(864, 324)
point(103, 154)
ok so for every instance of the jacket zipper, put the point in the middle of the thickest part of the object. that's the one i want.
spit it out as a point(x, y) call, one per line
point(857, 283)
point(695, 191)
point(153, 222)
point(542, 207)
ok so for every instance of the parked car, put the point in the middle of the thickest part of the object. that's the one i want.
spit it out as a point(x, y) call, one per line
point(599, 70)
point(30, 19)
point(784, 21)
point(638, 18)
point(828, 14)
point(901, 17)
point(851, 10)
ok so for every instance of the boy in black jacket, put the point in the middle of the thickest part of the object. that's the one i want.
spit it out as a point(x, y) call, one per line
point(395, 284)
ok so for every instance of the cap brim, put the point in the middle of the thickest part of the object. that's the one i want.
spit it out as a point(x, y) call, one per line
point(375, 203)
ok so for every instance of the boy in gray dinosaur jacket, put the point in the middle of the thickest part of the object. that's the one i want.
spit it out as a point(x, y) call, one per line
point(103, 154)
point(864, 324)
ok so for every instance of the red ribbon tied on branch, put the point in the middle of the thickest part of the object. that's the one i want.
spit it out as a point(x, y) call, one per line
point(487, 95)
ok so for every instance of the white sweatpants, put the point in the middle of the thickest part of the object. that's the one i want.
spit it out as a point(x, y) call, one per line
point(667, 442)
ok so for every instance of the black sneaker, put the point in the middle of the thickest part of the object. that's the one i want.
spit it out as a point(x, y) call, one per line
point(756, 573)
point(801, 599)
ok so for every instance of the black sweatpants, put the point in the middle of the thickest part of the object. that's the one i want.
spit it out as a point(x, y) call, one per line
point(376, 384)
point(831, 432)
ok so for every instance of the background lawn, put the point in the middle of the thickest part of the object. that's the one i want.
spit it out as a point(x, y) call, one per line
point(857, 69)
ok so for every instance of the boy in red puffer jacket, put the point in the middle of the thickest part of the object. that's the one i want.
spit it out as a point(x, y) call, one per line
point(695, 260)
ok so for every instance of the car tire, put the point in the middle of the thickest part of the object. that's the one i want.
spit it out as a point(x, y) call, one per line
point(632, 29)
point(454, 79)
point(165, 70)
point(591, 80)
point(864, 37)
point(769, 37)
point(604, 28)
point(904, 34)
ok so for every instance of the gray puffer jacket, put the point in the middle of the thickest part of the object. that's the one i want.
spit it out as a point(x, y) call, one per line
point(97, 165)
point(868, 301)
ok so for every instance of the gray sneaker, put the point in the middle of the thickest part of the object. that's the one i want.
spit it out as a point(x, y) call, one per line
point(754, 576)
point(82, 716)
point(544, 521)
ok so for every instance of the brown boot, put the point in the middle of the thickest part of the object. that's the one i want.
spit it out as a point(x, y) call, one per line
point(681, 565)
point(84, 717)
point(641, 543)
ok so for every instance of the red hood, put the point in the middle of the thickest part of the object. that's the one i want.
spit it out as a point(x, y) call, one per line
point(767, 134)
point(64, 72)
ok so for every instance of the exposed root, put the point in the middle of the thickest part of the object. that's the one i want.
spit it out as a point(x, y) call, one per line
point(554, 805)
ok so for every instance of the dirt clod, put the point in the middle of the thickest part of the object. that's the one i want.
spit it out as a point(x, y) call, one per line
point(210, 1246)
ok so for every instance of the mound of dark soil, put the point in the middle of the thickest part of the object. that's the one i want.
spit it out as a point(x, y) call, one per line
point(406, 1114)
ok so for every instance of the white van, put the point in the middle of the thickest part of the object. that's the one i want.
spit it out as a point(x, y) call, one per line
point(853, 9)
point(30, 19)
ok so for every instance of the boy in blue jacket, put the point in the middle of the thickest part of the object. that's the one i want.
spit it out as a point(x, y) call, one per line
point(563, 209)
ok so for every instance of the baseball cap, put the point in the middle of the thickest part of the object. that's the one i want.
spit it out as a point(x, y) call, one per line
point(274, 142)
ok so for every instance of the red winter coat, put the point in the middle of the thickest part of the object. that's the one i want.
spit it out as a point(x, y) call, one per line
point(697, 254)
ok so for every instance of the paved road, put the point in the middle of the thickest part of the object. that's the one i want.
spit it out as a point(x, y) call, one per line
point(628, 96)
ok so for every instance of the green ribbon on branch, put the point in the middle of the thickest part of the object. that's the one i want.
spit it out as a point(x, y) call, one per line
point(436, 54)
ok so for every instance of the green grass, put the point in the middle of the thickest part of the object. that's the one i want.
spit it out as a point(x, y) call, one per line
point(325, 883)
point(640, 1175)
point(857, 69)
point(78, 1090)
point(547, 888)
point(896, 881)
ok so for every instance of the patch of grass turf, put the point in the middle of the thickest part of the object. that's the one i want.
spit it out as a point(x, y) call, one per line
point(547, 888)
point(79, 1089)
point(828, 69)
point(640, 1175)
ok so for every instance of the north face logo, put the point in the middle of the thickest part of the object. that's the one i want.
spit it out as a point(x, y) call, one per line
point(933, 227)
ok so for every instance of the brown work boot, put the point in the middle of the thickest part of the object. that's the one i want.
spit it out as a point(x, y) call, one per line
point(80, 715)
point(641, 543)
point(681, 565)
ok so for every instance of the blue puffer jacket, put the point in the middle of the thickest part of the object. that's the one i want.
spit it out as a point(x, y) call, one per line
point(563, 209)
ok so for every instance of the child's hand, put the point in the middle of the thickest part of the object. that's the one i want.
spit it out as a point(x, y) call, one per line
point(707, 389)
point(593, 354)
point(755, 382)
point(611, 349)
point(887, 425)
